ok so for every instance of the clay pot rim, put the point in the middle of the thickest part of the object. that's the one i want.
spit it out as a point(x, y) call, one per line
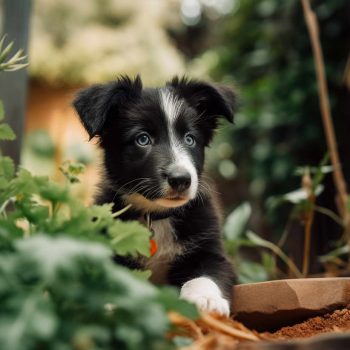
point(296, 280)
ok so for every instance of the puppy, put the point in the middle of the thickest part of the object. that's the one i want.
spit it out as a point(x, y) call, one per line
point(153, 141)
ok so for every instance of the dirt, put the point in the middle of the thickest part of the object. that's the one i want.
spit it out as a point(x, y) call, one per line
point(217, 332)
point(337, 321)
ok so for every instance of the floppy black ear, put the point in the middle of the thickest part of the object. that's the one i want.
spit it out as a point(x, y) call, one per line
point(97, 103)
point(210, 100)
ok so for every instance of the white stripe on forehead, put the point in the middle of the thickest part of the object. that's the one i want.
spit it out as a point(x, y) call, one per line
point(171, 104)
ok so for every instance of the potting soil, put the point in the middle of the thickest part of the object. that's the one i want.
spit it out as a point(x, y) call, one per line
point(337, 321)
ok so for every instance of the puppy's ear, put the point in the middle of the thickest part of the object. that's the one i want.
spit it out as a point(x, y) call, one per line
point(96, 104)
point(211, 101)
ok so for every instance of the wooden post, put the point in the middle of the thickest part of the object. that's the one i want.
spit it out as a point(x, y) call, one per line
point(13, 85)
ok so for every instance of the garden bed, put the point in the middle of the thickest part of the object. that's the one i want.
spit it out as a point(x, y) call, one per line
point(288, 314)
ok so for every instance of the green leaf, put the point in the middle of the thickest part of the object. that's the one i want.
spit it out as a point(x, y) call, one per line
point(2, 112)
point(32, 211)
point(8, 233)
point(7, 168)
point(254, 238)
point(5, 52)
point(129, 238)
point(322, 170)
point(268, 261)
point(142, 274)
point(169, 297)
point(6, 133)
point(237, 221)
point(23, 184)
point(334, 254)
point(102, 216)
point(19, 186)
point(2, 41)
point(301, 195)
point(250, 272)
point(53, 191)
point(35, 319)
point(72, 170)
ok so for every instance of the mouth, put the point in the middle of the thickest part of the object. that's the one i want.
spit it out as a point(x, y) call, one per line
point(176, 197)
point(172, 200)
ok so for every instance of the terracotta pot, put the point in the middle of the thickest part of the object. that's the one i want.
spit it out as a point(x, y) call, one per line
point(268, 306)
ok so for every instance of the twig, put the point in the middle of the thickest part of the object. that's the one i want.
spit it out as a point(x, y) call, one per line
point(338, 177)
point(223, 328)
point(310, 211)
point(276, 250)
point(181, 321)
point(330, 214)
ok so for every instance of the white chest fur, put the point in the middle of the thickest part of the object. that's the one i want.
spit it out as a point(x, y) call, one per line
point(167, 250)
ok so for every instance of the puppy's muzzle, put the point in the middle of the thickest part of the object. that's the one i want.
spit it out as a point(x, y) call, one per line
point(179, 179)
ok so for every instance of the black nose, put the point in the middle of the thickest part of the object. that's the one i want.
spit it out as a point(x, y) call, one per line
point(179, 180)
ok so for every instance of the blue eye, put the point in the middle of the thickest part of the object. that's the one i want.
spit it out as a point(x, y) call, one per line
point(143, 140)
point(189, 140)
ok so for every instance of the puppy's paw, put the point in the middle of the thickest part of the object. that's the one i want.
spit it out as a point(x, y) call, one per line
point(203, 292)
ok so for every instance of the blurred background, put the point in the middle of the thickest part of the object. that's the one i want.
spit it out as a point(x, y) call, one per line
point(260, 47)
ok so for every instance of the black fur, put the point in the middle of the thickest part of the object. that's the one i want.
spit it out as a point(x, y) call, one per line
point(117, 113)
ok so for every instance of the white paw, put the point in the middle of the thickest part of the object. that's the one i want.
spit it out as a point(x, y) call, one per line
point(203, 292)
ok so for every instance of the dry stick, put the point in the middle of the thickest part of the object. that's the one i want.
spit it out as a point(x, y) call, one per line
point(338, 177)
point(307, 244)
point(183, 322)
point(310, 212)
point(223, 328)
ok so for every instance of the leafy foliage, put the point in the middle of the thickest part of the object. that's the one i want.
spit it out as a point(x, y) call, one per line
point(8, 63)
point(59, 288)
point(239, 238)
point(59, 285)
point(264, 47)
point(6, 133)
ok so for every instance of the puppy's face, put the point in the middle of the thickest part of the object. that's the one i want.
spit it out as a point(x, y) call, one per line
point(154, 139)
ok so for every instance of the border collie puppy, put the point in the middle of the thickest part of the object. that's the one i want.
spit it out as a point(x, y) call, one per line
point(153, 141)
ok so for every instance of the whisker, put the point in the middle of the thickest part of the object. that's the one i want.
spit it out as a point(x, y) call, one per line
point(130, 182)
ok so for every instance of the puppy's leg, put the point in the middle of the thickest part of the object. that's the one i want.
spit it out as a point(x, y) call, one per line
point(205, 281)
point(206, 294)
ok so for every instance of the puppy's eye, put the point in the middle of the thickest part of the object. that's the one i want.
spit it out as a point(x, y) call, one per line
point(143, 140)
point(189, 140)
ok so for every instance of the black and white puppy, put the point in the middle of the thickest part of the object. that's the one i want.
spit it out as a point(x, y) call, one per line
point(153, 140)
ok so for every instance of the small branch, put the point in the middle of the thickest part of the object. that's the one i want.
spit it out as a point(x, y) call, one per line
point(338, 177)
point(276, 250)
point(223, 328)
point(310, 212)
point(329, 213)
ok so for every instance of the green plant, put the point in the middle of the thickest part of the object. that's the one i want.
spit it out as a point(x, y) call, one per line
point(7, 63)
point(239, 239)
point(59, 288)
point(278, 124)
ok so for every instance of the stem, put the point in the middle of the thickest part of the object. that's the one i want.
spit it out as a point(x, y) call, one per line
point(277, 250)
point(121, 211)
point(338, 177)
point(3, 207)
point(307, 237)
point(331, 214)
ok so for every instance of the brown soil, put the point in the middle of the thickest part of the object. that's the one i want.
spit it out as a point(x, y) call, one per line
point(337, 321)
point(215, 332)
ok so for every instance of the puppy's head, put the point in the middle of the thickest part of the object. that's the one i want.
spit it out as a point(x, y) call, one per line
point(154, 138)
